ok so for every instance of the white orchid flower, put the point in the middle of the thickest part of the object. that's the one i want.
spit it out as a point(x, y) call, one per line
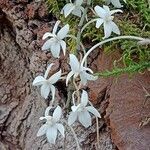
point(116, 3)
point(47, 84)
point(82, 112)
point(56, 42)
point(74, 8)
point(79, 70)
point(106, 18)
point(51, 126)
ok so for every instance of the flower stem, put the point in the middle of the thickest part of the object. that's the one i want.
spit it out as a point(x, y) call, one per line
point(97, 128)
point(109, 40)
point(77, 90)
point(70, 90)
point(74, 134)
point(91, 21)
point(81, 24)
point(81, 44)
point(97, 131)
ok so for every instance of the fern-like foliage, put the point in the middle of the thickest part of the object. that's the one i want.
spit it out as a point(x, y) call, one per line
point(139, 67)
point(142, 7)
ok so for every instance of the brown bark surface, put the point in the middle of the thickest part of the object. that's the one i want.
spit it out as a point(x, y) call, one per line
point(22, 24)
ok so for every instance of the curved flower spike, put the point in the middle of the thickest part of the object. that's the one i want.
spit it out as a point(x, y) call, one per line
point(116, 3)
point(82, 112)
point(74, 8)
point(105, 17)
point(56, 42)
point(79, 70)
point(51, 126)
point(47, 84)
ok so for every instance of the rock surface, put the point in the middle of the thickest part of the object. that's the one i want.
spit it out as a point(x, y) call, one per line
point(127, 109)
point(22, 25)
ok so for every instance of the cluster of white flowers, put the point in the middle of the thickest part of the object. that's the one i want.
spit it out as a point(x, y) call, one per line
point(55, 41)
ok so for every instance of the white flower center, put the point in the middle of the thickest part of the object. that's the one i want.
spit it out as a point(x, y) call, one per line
point(57, 39)
point(50, 120)
point(109, 18)
point(81, 108)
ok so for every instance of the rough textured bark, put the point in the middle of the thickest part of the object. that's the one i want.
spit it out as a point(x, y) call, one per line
point(22, 24)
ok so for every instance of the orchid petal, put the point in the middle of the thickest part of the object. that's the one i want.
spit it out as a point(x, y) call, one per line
point(78, 2)
point(100, 11)
point(72, 118)
point(63, 32)
point(46, 35)
point(45, 89)
point(115, 28)
point(106, 8)
point(85, 119)
point(51, 134)
point(67, 9)
point(90, 76)
point(55, 49)
point(47, 110)
point(87, 69)
point(77, 12)
point(47, 70)
point(63, 45)
point(70, 74)
point(82, 9)
point(47, 44)
point(42, 130)
point(116, 3)
point(84, 98)
point(74, 108)
point(39, 80)
point(92, 110)
point(55, 77)
point(53, 92)
point(57, 113)
point(99, 22)
point(83, 78)
point(74, 63)
point(115, 11)
point(107, 29)
point(61, 129)
point(55, 27)
point(42, 118)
